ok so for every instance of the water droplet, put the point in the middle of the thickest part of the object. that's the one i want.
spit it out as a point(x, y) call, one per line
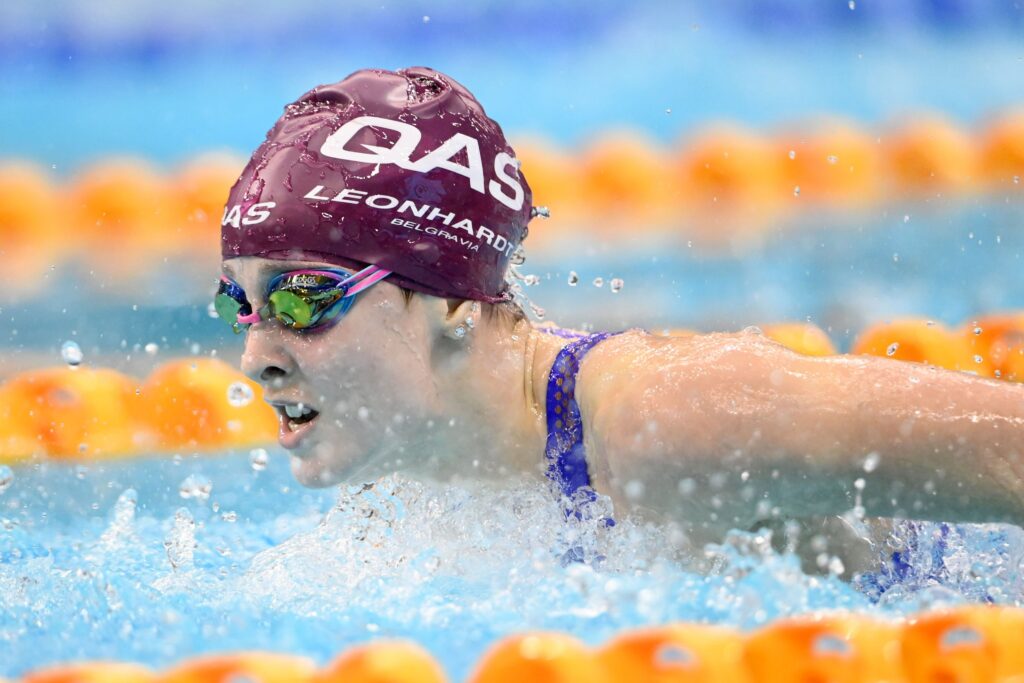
point(239, 394)
point(616, 285)
point(229, 516)
point(542, 211)
point(6, 477)
point(574, 279)
point(792, 154)
point(258, 459)
point(687, 486)
point(871, 461)
point(1016, 180)
point(859, 484)
point(363, 413)
point(599, 282)
point(71, 352)
point(426, 18)
point(892, 348)
point(211, 310)
point(668, 111)
point(895, 257)
point(531, 280)
point(796, 191)
point(518, 256)
point(833, 159)
point(124, 512)
point(152, 348)
point(195, 486)
point(538, 311)
point(977, 330)
point(978, 359)
point(180, 542)
point(906, 218)
point(634, 489)
point(852, 5)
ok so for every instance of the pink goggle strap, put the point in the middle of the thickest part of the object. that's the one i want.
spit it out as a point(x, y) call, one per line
point(250, 319)
point(364, 278)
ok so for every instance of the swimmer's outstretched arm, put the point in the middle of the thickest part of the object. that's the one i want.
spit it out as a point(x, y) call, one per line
point(749, 427)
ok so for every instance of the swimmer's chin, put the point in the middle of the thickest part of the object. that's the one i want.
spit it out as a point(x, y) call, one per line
point(310, 479)
point(314, 473)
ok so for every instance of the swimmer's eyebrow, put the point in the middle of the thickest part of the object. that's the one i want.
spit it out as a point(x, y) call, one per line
point(285, 266)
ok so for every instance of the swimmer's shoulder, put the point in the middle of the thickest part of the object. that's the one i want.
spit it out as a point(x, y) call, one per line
point(637, 378)
point(636, 357)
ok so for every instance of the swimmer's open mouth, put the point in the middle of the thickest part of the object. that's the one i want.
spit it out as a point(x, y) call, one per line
point(292, 415)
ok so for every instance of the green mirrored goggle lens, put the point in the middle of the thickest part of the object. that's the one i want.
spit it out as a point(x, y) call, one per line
point(291, 309)
point(227, 308)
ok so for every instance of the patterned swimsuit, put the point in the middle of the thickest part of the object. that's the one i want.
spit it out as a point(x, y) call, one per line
point(564, 452)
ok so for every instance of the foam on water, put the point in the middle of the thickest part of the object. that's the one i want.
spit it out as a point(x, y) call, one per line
point(113, 562)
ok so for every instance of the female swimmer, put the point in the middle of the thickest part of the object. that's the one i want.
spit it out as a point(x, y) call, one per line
point(365, 249)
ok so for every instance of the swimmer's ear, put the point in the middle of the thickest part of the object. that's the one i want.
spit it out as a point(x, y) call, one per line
point(461, 318)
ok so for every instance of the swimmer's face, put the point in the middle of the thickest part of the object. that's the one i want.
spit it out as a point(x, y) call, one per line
point(368, 377)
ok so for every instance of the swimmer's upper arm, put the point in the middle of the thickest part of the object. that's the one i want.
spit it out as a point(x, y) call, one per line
point(751, 428)
point(688, 417)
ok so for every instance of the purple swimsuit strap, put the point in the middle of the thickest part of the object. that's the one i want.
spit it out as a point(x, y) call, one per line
point(565, 454)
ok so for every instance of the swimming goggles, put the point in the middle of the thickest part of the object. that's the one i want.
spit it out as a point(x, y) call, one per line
point(298, 299)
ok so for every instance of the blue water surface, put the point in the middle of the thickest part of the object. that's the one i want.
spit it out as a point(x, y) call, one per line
point(158, 559)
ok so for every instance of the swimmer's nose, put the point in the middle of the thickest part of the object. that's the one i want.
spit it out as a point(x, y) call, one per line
point(264, 359)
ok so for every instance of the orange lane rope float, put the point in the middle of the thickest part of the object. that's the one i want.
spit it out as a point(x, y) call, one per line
point(717, 181)
point(968, 643)
point(81, 412)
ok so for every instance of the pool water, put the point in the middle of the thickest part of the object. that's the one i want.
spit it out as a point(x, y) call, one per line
point(157, 559)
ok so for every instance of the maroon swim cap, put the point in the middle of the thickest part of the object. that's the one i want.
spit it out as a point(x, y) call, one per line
point(402, 170)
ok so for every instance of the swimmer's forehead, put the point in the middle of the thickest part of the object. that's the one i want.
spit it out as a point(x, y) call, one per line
point(268, 268)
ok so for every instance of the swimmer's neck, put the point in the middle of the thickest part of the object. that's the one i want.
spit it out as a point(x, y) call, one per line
point(494, 394)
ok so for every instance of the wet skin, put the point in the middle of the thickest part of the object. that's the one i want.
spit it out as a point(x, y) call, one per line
point(766, 433)
point(755, 432)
